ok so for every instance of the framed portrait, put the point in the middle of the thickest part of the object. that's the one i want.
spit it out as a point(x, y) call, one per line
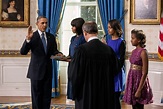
point(14, 13)
point(145, 11)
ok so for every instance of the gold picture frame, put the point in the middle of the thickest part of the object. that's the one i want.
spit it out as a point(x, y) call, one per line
point(17, 17)
point(145, 11)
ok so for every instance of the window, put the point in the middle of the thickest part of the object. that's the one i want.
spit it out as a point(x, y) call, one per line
point(87, 9)
point(90, 13)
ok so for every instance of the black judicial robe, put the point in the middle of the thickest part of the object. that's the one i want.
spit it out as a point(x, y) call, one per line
point(92, 74)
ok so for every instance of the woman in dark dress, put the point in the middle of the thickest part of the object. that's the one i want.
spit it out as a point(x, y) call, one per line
point(11, 13)
point(76, 40)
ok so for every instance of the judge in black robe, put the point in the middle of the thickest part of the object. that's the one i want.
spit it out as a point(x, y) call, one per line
point(93, 69)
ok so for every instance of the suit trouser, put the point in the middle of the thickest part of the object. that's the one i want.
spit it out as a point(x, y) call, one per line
point(117, 100)
point(41, 93)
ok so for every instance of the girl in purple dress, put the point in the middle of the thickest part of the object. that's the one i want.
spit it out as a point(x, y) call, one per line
point(138, 91)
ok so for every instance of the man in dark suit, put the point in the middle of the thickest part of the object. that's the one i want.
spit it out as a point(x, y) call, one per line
point(42, 45)
point(93, 69)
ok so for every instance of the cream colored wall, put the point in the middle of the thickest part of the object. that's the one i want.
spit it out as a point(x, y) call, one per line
point(12, 38)
point(151, 31)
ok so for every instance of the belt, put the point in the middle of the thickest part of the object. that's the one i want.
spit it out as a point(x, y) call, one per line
point(136, 67)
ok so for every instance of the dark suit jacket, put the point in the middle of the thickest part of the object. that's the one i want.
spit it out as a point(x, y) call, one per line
point(40, 63)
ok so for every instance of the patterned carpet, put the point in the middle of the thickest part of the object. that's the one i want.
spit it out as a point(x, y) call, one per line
point(27, 105)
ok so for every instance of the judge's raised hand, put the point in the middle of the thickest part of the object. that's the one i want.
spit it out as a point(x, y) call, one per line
point(29, 33)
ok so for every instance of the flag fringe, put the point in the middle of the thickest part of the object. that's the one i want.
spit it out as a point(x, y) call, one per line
point(160, 57)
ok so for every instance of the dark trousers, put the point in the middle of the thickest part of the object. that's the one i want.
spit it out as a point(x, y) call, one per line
point(138, 106)
point(117, 100)
point(41, 93)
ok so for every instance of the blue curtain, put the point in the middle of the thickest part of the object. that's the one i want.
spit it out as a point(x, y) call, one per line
point(111, 9)
point(52, 9)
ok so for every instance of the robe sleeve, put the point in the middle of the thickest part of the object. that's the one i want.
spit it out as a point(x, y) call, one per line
point(122, 50)
point(77, 72)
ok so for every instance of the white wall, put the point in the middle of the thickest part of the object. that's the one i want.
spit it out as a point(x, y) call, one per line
point(13, 81)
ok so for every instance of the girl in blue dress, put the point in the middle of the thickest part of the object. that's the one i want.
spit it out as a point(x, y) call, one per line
point(119, 47)
point(76, 40)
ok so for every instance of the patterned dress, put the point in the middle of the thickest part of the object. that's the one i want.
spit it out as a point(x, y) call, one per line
point(133, 80)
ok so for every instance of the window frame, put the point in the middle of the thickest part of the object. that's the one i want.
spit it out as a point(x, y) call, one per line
point(92, 3)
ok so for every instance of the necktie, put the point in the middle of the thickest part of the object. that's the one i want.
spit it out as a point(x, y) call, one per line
point(44, 42)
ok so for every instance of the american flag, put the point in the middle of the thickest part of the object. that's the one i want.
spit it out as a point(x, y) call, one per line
point(160, 46)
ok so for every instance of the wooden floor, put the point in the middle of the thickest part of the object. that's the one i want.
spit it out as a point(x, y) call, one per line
point(61, 100)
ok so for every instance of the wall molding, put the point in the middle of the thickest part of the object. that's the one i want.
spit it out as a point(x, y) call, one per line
point(16, 53)
point(151, 56)
point(12, 53)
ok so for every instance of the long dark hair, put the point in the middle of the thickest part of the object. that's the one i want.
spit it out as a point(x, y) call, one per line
point(115, 24)
point(78, 23)
point(10, 2)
